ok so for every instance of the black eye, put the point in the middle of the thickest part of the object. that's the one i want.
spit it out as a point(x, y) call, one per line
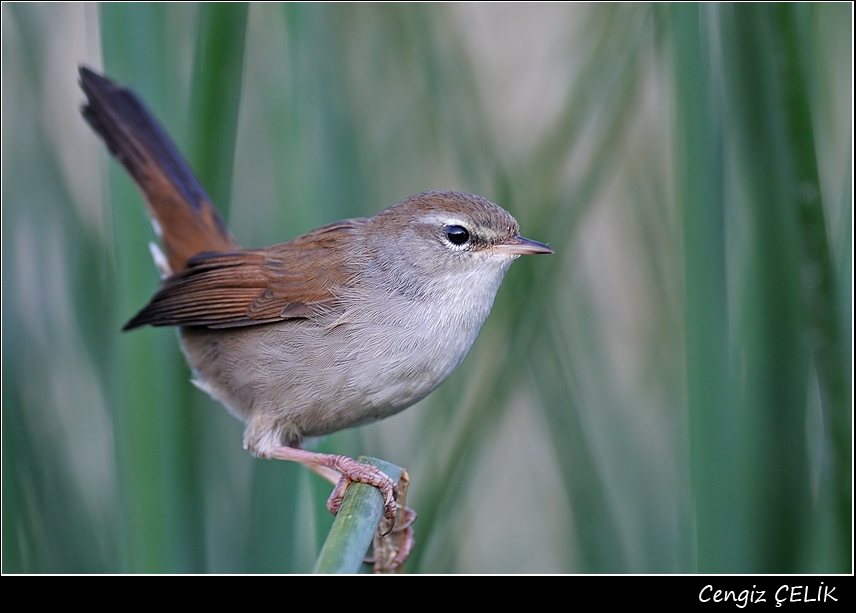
point(457, 235)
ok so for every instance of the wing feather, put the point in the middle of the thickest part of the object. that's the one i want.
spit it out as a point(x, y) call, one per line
point(297, 279)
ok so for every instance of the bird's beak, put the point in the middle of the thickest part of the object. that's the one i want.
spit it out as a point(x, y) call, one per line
point(517, 245)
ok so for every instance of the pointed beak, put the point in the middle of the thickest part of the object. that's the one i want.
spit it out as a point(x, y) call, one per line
point(517, 245)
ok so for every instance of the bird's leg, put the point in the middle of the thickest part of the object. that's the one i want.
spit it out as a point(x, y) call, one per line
point(391, 545)
point(328, 474)
point(330, 466)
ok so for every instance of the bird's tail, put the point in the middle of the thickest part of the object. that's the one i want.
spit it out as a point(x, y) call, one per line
point(183, 216)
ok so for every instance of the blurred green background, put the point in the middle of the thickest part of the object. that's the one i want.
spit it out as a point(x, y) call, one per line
point(670, 392)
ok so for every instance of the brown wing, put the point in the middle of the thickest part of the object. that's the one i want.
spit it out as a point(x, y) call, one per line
point(243, 288)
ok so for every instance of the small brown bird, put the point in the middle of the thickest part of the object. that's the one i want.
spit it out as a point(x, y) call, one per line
point(340, 327)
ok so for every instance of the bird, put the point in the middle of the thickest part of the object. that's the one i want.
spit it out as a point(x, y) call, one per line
point(342, 326)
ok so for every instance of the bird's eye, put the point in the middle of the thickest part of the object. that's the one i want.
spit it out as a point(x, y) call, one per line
point(457, 235)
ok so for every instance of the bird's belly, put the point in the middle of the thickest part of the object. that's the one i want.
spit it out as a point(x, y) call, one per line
point(304, 378)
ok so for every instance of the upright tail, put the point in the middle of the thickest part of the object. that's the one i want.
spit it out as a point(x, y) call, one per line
point(184, 218)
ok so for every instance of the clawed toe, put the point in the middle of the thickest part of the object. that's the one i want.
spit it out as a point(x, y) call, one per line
point(356, 472)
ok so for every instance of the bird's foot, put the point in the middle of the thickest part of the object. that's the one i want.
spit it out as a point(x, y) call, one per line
point(353, 471)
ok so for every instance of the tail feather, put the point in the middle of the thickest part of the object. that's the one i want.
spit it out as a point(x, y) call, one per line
point(184, 218)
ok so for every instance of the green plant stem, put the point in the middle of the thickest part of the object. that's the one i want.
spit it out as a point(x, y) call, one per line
point(351, 534)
